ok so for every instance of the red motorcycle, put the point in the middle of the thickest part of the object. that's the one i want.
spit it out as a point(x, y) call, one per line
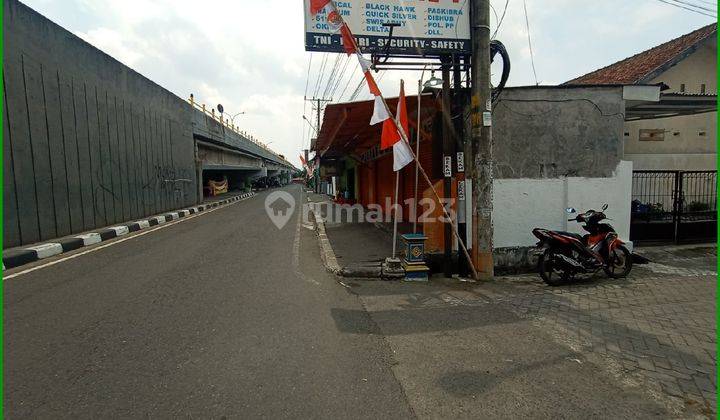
point(567, 254)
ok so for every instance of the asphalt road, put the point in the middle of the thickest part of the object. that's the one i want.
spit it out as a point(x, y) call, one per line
point(219, 315)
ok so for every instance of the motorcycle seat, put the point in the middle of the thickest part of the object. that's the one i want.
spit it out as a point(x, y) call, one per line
point(571, 234)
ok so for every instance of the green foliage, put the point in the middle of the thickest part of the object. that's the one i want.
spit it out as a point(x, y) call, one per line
point(698, 206)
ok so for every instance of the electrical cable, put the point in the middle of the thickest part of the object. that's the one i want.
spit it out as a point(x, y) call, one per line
point(320, 76)
point(497, 47)
point(357, 65)
point(695, 6)
point(338, 80)
point(307, 84)
point(333, 73)
point(502, 18)
point(356, 92)
point(501, 100)
point(687, 8)
point(532, 56)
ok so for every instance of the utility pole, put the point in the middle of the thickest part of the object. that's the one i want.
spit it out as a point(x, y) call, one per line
point(317, 103)
point(481, 139)
point(448, 152)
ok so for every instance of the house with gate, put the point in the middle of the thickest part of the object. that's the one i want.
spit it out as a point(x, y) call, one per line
point(672, 142)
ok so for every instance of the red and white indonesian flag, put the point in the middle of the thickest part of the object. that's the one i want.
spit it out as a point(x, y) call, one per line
point(335, 22)
point(402, 155)
point(401, 150)
point(380, 113)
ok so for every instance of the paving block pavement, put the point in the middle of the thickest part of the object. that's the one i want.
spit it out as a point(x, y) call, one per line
point(652, 334)
point(659, 324)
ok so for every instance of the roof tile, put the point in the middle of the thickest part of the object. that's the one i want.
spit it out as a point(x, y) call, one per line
point(633, 69)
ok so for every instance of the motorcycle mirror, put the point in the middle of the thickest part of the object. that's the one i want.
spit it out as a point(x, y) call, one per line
point(605, 206)
point(570, 210)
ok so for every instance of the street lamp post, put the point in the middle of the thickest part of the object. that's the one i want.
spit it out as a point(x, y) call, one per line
point(232, 119)
point(433, 82)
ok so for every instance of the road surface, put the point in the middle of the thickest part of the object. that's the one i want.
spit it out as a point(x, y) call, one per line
point(219, 315)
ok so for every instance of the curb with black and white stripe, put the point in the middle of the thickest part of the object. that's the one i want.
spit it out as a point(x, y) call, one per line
point(24, 255)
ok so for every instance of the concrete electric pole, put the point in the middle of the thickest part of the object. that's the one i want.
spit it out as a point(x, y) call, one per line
point(481, 139)
point(318, 108)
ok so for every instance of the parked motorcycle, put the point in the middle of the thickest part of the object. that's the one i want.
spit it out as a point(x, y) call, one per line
point(568, 254)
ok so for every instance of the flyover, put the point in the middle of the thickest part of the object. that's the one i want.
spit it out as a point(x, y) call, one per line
point(223, 150)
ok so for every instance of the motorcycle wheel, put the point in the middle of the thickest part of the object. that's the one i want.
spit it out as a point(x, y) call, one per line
point(619, 263)
point(546, 271)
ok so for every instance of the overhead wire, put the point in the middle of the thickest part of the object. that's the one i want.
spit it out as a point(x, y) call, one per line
point(307, 84)
point(350, 77)
point(695, 6)
point(500, 22)
point(339, 78)
point(332, 75)
point(532, 56)
point(320, 76)
point(687, 8)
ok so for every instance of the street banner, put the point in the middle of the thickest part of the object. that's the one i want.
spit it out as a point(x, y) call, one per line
point(424, 27)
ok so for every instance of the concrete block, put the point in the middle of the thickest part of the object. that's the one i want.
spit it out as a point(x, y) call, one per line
point(18, 257)
point(120, 230)
point(89, 238)
point(47, 250)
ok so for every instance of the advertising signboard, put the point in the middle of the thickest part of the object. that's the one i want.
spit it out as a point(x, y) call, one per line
point(425, 27)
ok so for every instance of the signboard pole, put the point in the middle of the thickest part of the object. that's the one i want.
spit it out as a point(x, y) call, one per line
point(481, 139)
point(448, 152)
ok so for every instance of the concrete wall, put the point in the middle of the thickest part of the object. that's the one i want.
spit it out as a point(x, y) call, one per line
point(556, 148)
point(88, 142)
point(523, 204)
point(549, 132)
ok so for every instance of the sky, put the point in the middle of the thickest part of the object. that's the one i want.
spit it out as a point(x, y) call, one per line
point(249, 55)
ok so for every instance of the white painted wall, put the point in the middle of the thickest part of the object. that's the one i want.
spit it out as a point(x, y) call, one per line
point(519, 205)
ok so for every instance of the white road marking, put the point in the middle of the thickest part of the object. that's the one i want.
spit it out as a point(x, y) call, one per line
point(109, 244)
point(296, 249)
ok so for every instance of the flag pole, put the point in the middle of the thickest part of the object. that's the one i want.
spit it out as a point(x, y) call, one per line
point(395, 208)
point(404, 137)
point(417, 153)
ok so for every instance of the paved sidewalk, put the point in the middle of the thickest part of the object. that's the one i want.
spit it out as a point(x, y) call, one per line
point(345, 233)
point(658, 325)
point(638, 347)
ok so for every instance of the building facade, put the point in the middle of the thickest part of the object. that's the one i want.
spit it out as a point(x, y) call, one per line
point(685, 66)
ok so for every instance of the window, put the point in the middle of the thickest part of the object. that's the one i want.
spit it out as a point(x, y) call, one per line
point(682, 87)
point(652, 135)
point(702, 88)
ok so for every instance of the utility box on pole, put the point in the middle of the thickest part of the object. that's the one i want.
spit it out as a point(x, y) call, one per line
point(481, 139)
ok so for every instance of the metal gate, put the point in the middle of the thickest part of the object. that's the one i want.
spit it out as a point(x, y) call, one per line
point(674, 206)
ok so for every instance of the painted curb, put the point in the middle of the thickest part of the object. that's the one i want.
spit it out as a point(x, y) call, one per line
point(24, 255)
point(327, 255)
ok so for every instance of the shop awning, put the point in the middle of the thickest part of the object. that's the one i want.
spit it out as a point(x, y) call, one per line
point(346, 126)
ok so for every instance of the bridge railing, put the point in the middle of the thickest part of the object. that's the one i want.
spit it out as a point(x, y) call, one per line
point(230, 125)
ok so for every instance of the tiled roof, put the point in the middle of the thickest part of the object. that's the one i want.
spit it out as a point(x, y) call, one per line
point(634, 69)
